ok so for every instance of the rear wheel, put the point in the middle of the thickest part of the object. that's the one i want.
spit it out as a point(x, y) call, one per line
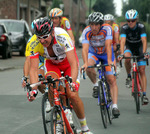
point(46, 114)
point(57, 121)
point(102, 104)
point(136, 94)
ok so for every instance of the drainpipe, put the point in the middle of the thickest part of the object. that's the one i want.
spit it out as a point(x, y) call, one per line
point(18, 10)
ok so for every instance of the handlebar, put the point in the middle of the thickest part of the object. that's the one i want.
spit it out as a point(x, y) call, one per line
point(134, 57)
point(99, 66)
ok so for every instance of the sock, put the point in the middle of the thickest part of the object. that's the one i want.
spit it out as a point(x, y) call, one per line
point(129, 76)
point(114, 106)
point(83, 124)
point(144, 93)
point(96, 84)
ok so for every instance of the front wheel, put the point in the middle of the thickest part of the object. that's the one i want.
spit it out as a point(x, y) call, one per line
point(46, 114)
point(57, 121)
point(136, 94)
point(102, 104)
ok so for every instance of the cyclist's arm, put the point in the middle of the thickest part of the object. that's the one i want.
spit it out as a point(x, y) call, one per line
point(71, 36)
point(34, 63)
point(144, 42)
point(85, 49)
point(26, 67)
point(122, 44)
point(73, 63)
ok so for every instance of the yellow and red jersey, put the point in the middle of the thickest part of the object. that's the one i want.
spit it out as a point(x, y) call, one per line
point(115, 28)
point(65, 24)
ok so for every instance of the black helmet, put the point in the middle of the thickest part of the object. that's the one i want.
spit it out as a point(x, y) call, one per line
point(96, 17)
point(43, 26)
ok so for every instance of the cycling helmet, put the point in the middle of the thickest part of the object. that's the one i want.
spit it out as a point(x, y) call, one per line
point(33, 22)
point(96, 17)
point(43, 26)
point(131, 14)
point(108, 17)
point(55, 12)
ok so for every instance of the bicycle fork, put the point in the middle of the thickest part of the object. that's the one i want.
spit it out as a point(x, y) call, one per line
point(65, 120)
point(137, 79)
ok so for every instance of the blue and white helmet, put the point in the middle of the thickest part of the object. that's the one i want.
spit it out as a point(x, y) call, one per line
point(131, 14)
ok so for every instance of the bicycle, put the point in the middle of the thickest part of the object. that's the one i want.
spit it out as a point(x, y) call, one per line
point(57, 115)
point(136, 90)
point(104, 96)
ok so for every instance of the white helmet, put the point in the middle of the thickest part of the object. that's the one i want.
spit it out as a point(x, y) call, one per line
point(108, 17)
point(131, 14)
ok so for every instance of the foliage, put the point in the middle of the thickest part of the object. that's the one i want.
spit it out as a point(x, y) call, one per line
point(147, 31)
point(142, 6)
point(56, 3)
point(104, 6)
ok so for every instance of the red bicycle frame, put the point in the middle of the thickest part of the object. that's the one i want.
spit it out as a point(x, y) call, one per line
point(135, 69)
point(57, 102)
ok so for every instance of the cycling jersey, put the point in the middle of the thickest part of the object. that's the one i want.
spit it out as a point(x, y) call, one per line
point(133, 36)
point(33, 46)
point(65, 24)
point(133, 40)
point(32, 43)
point(97, 50)
point(115, 29)
point(97, 42)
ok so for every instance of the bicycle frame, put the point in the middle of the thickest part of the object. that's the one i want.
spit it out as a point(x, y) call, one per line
point(134, 69)
point(58, 103)
point(103, 79)
point(56, 98)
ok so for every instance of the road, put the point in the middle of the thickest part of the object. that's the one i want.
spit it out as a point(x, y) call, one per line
point(18, 116)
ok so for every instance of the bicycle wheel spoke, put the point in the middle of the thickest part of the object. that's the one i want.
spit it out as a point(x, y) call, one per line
point(102, 105)
point(57, 122)
point(45, 115)
point(136, 95)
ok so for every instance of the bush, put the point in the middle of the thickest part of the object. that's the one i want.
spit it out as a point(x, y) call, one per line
point(147, 26)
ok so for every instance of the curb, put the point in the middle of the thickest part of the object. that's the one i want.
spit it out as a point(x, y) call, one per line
point(5, 68)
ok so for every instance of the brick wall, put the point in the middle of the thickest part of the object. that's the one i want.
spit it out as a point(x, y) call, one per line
point(8, 9)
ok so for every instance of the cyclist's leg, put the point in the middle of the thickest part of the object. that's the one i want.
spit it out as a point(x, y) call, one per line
point(92, 59)
point(111, 79)
point(127, 63)
point(76, 101)
point(143, 80)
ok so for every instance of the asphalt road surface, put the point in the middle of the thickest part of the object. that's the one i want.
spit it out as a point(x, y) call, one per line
point(18, 116)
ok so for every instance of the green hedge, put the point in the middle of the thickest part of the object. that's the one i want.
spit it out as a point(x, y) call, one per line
point(147, 26)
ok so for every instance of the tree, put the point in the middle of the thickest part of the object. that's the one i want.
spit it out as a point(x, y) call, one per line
point(104, 6)
point(142, 6)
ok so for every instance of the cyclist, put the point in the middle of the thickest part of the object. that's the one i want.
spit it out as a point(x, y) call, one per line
point(133, 35)
point(59, 56)
point(56, 15)
point(32, 42)
point(109, 19)
point(97, 46)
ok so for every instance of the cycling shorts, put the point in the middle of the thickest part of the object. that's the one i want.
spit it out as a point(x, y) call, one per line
point(64, 66)
point(103, 59)
point(140, 61)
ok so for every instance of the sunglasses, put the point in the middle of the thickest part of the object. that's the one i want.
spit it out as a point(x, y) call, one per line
point(131, 20)
point(43, 37)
